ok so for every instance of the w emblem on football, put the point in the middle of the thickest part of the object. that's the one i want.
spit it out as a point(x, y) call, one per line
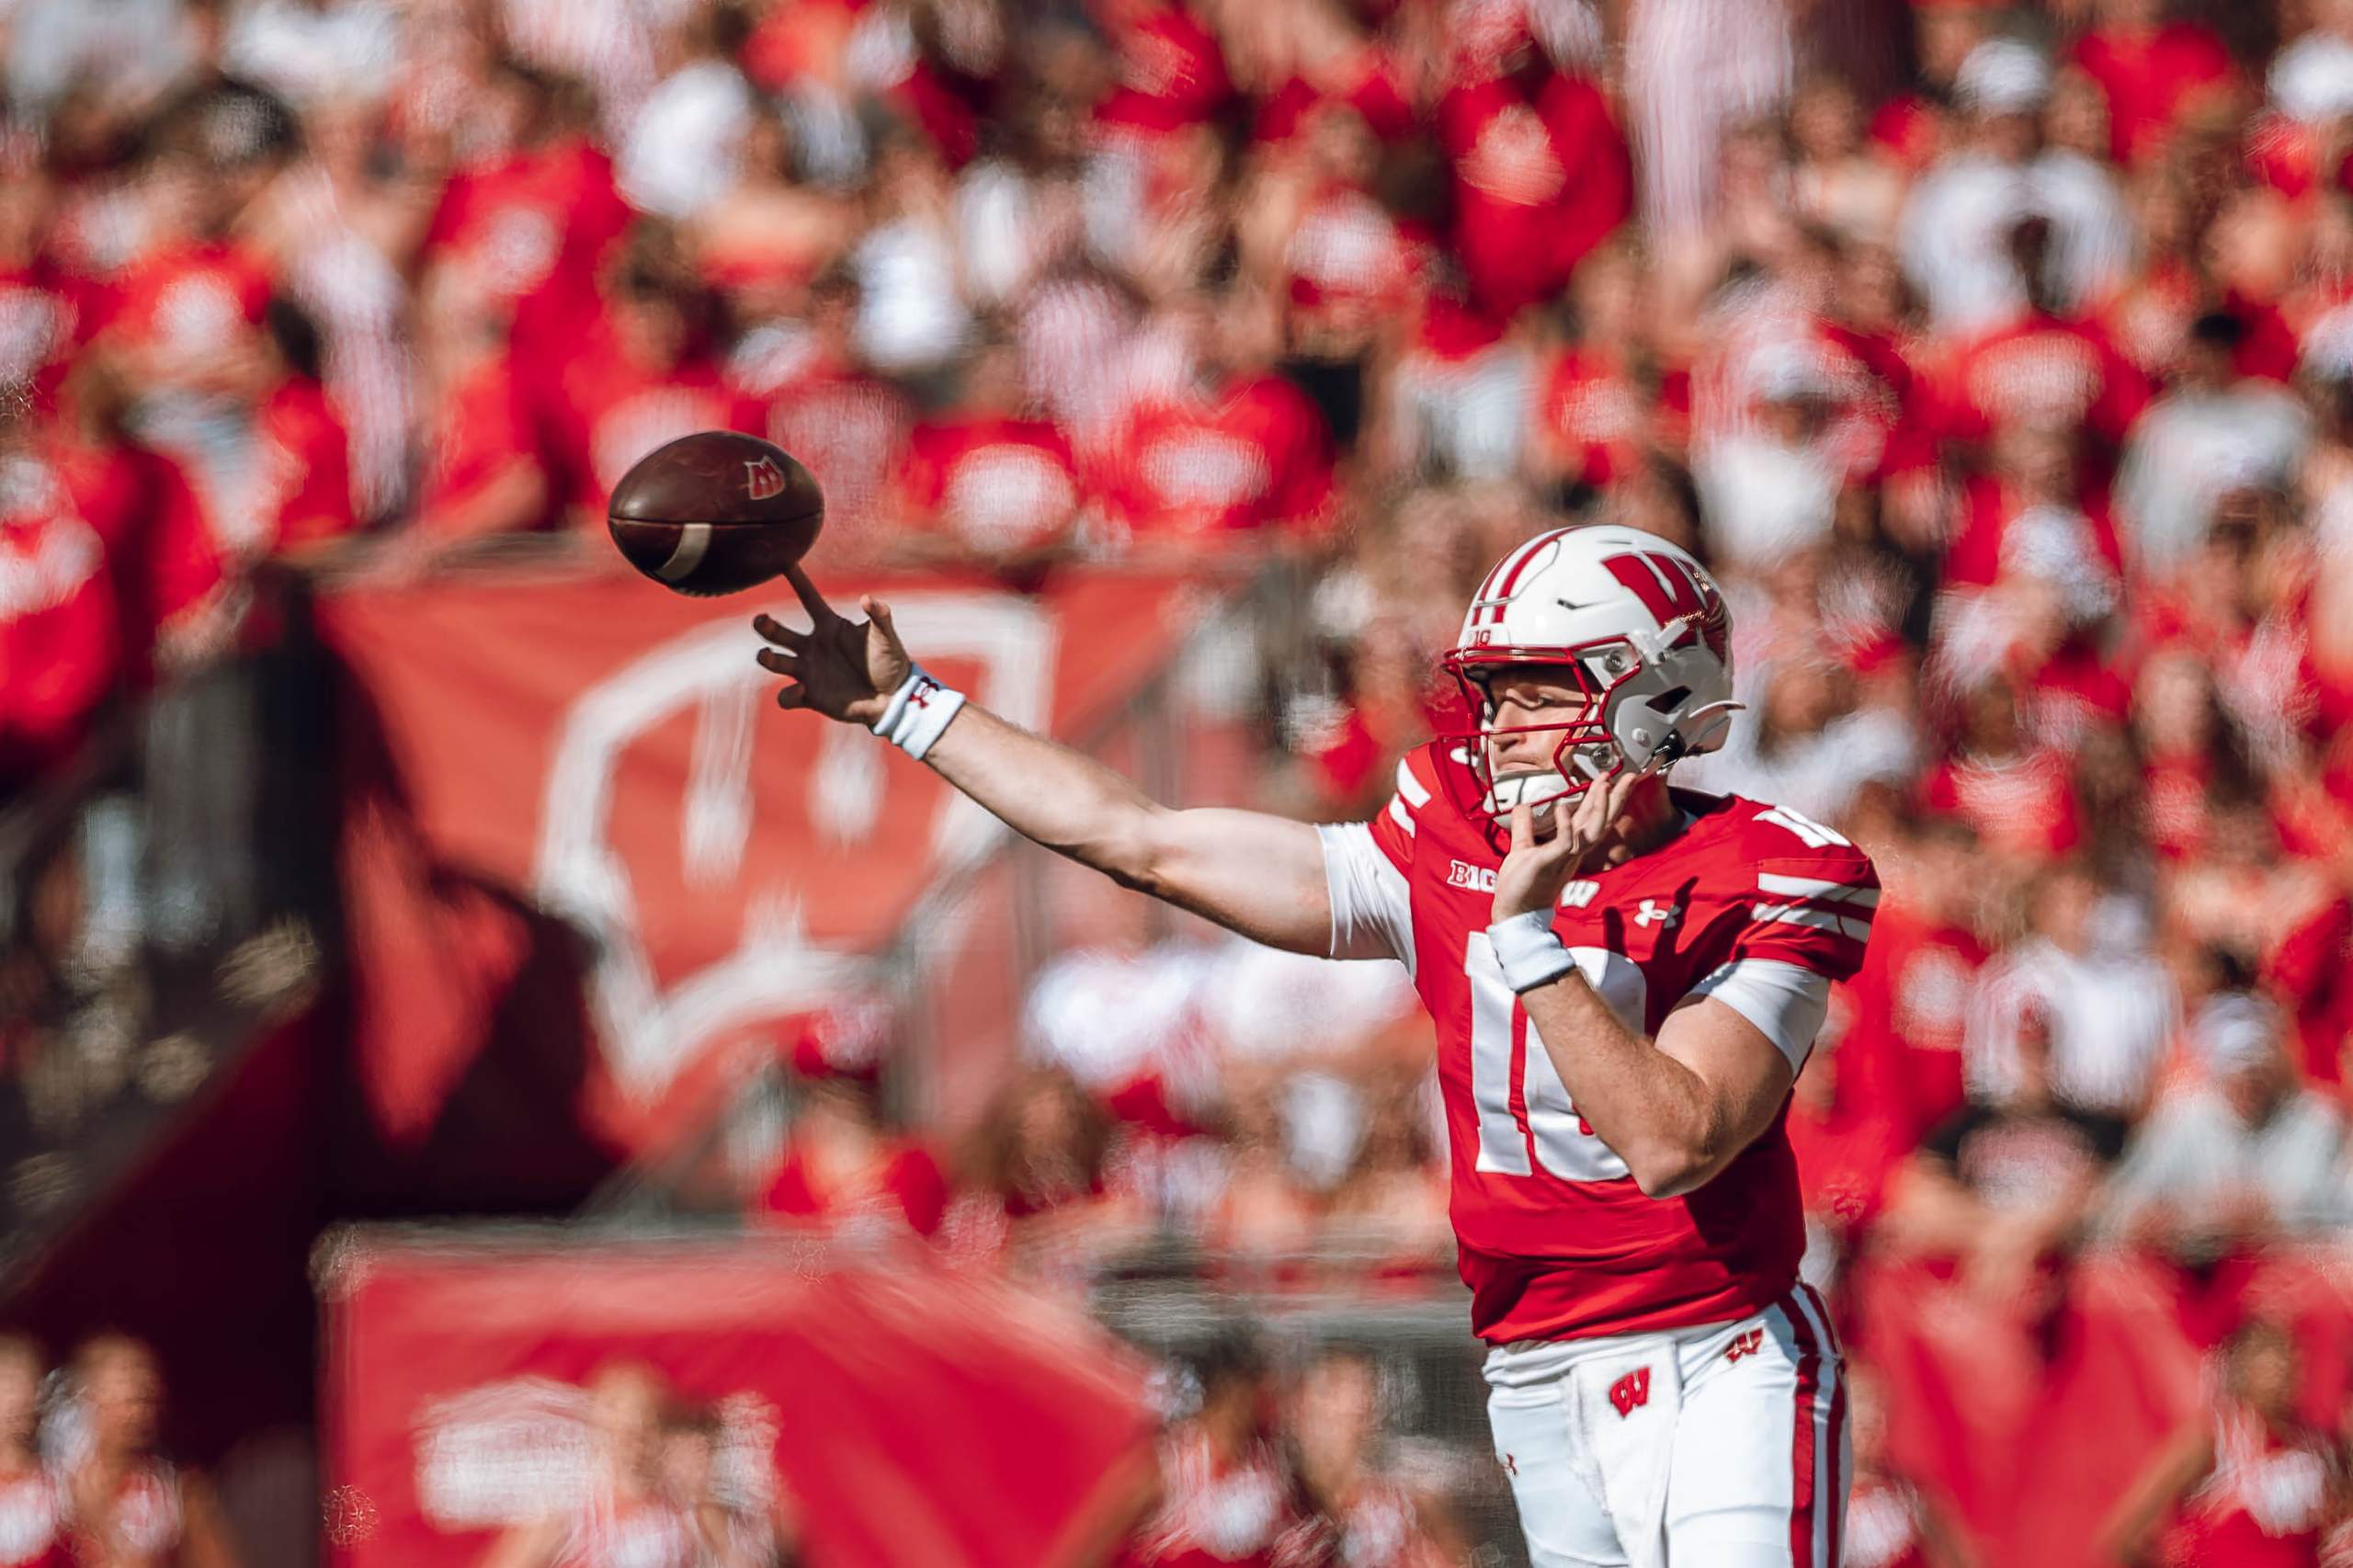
point(763, 478)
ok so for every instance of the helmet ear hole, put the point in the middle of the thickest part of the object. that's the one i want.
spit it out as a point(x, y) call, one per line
point(1668, 702)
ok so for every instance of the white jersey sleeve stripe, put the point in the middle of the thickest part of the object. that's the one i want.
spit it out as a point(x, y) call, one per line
point(1417, 794)
point(1400, 815)
point(1816, 887)
point(1787, 1002)
point(1859, 927)
point(1372, 912)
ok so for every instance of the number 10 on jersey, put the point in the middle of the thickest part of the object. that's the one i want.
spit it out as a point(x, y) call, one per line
point(1523, 1106)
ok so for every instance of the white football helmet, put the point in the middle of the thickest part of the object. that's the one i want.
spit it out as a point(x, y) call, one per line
point(1630, 620)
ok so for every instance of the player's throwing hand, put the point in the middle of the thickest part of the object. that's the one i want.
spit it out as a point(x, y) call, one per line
point(845, 669)
point(1536, 869)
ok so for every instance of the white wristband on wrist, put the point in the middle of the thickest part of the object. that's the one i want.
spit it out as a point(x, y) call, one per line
point(1529, 951)
point(918, 712)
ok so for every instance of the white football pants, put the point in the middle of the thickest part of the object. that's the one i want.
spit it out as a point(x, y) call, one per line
point(1718, 1447)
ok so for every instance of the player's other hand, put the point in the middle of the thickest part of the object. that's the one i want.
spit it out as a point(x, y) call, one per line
point(1540, 865)
point(844, 669)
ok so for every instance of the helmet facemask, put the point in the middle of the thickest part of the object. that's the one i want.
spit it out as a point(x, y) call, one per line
point(1637, 712)
point(1583, 755)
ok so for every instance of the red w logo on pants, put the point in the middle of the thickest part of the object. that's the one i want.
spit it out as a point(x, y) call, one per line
point(1632, 1392)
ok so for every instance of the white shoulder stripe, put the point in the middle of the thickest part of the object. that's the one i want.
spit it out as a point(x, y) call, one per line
point(1816, 887)
point(1400, 815)
point(1857, 926)
point(1416, 796)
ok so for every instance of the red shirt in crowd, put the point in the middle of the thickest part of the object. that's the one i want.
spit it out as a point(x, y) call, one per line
point(851, 431)
point(1845, 1156)
point(1538, 184)
point(614, 411)
point(2021, 805)
point(909, 1192)
point(1168, 71)
point(2149, 79)
point(61, 629)
point(1596, 415)
point(167, 570)
point(1370, 84)
point(309, 458)
point(480, 431)
point(2041, 369)
point(1910, 1006)
point(1974, 557)
point(531, 226)
point(189, 298)
point(1252, 455)
point(995, 484)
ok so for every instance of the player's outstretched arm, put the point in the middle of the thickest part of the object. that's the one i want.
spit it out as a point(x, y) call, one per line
point(1249, 871)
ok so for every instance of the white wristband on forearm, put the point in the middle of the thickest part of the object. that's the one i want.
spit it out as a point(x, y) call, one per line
point(918, 713)
point(1529, 951)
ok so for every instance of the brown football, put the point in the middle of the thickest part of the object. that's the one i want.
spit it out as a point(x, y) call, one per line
point(715, 513)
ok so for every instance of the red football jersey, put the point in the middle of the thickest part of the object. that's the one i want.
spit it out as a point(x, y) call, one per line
point(1555, 1239)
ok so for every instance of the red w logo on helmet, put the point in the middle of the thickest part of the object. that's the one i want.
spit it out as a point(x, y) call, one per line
point(1669, 591)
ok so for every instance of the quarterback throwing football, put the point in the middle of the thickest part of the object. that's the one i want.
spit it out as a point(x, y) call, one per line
point(1626, 979)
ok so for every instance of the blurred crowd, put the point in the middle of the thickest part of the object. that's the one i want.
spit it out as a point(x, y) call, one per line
point(1998, 358)
point(663, 1483)
point(84, 1479)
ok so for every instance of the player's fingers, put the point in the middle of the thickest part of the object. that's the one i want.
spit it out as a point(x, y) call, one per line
point(792, 697)
point(1523, 826)
point(777, 633)
point(1592, 813)
point(820, 612)
point(779, 661)
point(1564, 824)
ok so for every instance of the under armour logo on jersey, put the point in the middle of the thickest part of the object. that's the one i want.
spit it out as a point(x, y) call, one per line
point(1576, 896)
point(1632, 1392)
point(1748, 1344)
point(1668, 915)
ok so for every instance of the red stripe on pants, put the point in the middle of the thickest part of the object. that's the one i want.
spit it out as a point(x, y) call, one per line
point(1802, 1458)
point(1837, 1432)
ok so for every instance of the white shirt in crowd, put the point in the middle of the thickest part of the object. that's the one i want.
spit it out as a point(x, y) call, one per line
point(2196, 1157)
point(2110, 1015)
point(910, 314)
point(2193, 446)
point(1953, 237)
point(684, 149)
point(308, 55)
point(1818, 775)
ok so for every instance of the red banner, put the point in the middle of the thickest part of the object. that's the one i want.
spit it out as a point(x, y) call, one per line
point(578, 823)
point(906, 1416)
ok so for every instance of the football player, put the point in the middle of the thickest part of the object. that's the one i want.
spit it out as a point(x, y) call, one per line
point(1626, 979)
